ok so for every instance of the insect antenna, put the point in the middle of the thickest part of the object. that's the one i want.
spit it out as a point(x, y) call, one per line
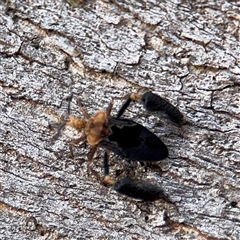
point(63, 124)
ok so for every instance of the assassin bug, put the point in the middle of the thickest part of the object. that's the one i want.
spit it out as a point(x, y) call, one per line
point(127, 139)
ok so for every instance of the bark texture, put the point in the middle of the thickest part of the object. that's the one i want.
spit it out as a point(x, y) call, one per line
point(188, 52)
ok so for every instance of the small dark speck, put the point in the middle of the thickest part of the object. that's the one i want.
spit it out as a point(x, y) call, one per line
point(146, 218)
point(118, 172)
point(233, 204)
point(234, 106)
point(165, 216)
point(73, 185)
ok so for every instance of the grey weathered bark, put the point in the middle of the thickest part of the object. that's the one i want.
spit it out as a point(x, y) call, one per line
point(186, 52)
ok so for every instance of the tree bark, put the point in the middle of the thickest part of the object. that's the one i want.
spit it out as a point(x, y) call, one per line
point(186, 52)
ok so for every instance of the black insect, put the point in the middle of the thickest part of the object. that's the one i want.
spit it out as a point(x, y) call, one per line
point(127, 139)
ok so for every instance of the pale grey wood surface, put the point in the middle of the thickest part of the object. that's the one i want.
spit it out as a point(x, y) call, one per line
point(186, 52)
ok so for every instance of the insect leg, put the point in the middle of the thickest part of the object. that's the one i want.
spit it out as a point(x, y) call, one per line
point(63, 124)
point(133, 188)
point(105, 164)
point(89, 167)
point(74, 142)
point(56, 136)
point(124, 107)
point(91, 154)
point(109, 108)
point(132, 97)
point(107, 177)
point(69, 103)
point(83, 110)
point(153, 103)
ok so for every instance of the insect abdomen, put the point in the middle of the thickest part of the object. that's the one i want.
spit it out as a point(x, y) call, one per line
point(153, 102)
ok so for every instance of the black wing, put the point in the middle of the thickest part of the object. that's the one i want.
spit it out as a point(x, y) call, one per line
point(131, 140)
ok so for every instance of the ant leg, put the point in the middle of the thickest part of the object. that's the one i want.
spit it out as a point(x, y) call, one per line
point(109, 108)
point(89, 168)
point(90, 155)
point(63, 124)
point(74, 142)
point(56, 136)
point(83, 110)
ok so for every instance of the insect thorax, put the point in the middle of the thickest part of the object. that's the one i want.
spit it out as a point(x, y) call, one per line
point(97, 128)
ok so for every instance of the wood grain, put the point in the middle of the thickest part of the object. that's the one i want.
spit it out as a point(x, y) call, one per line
point(186, 52)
